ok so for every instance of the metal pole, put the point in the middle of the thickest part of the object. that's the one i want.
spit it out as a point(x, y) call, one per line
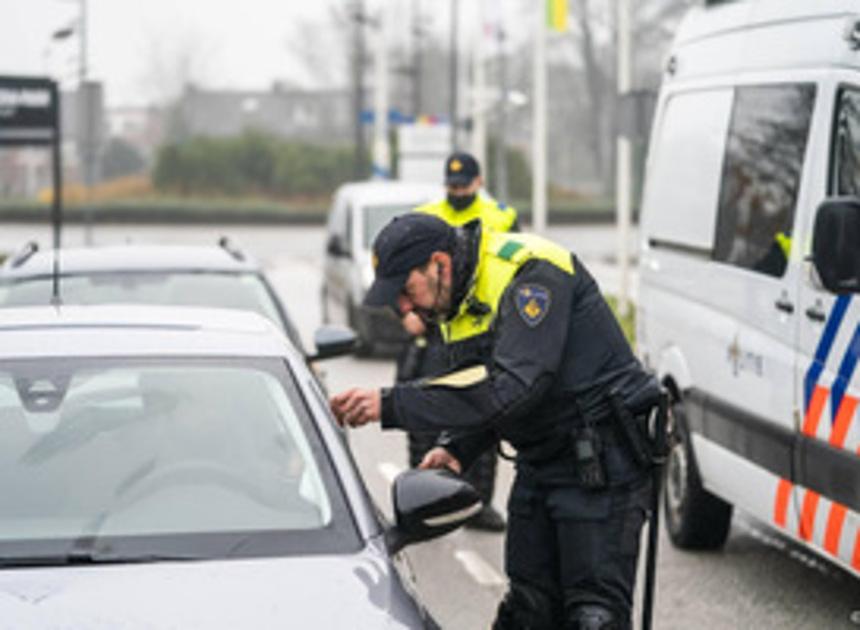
point(82, 65)
point(358, 89)
point(381, 152)
point(453, 114)
point(417, 58)
point(479, 89)
point(623, 176)
point(501, 184)
point(57, 205)
point(539, 125)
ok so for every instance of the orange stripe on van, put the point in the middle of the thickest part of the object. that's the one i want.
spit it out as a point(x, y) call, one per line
point(835, 521)
point(856, 561)
point(807, 515)
point(814, 412)
point(843, 421)
point(780, 509)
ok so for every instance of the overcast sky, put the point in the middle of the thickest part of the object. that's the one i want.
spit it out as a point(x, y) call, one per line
point(135, 46)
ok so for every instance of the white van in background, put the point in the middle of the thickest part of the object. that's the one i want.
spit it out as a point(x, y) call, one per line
point(359, 211)
point(750, 269)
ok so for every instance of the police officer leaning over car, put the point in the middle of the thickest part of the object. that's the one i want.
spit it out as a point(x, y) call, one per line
point(545, 367)
point(425, 354)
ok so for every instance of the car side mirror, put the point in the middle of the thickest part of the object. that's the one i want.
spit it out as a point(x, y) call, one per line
point(337, 248)
point(428, 504)
point(333, 341)
point(836, 244)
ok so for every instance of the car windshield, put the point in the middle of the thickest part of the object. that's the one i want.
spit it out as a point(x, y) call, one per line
point(376, 217)
point(197, 458)
point(245, 291)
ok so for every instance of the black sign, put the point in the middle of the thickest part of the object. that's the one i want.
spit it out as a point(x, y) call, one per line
point(28, 111)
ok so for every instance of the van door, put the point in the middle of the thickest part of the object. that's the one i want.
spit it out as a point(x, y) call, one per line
point(749, 421)
point(338, 263)
point(827, 471)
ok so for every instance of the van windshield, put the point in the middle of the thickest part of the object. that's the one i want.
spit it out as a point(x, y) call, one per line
point(845, 175)
point(376, 217)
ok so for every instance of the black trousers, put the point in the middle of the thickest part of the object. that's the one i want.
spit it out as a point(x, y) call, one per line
point(577, 546)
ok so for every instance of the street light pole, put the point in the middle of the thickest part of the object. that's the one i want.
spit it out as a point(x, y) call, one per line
point(453, 75)
point(82, 39)
point(539, 140)
point(501, 157)
point(623, 177)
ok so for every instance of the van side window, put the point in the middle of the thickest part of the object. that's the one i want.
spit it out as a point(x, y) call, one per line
point(761, 176)
point(845, 162)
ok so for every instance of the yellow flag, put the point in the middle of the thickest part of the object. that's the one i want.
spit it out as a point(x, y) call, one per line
point(556, 15)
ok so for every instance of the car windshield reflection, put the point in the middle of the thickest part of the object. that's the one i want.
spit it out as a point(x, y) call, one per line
point(181, 458)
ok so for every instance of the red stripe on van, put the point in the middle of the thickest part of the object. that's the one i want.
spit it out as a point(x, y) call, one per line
point(835, 521)
point(843, 421)
point(807, 515)
point(780, 509)
point(814, 412)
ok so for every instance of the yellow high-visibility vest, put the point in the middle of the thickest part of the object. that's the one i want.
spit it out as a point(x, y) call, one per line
point(500, 257)
point(494, 216)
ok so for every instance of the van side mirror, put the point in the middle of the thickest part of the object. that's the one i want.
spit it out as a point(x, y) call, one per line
point(337, 248)
point(428, 504)
point(333, 341)
point(836, 244)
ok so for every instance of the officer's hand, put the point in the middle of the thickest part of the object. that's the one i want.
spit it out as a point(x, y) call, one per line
point(356, 407)
point(413, 324)
point(439, 457)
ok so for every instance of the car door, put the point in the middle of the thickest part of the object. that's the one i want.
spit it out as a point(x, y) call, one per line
point(749, 423)
point(827, 469)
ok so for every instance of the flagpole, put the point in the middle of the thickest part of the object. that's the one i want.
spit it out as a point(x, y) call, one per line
point(539, 147)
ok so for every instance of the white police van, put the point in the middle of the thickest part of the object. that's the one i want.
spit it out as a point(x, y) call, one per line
point(750, 271)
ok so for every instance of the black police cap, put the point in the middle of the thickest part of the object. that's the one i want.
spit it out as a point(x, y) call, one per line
point(406, 243)
point(460, 169)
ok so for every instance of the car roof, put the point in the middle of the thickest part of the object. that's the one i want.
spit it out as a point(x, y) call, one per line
point(385, 191)
point(123, 330)
point(153, 258)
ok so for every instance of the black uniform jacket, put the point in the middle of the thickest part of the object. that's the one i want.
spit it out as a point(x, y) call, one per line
point(540, 372)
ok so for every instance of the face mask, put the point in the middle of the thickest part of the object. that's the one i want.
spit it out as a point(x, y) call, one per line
point(461, 202)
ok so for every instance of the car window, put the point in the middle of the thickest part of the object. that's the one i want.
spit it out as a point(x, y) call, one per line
point(193, 452)
point(845, 159)
point(243, 291)
point(376, 218)
point(761, 176)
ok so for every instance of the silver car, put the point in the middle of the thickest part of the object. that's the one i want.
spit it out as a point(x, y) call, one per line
point(179, 468)
point(220, 276)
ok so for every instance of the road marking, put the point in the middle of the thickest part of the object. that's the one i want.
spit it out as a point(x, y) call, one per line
point(480, 570)
point(389, 471)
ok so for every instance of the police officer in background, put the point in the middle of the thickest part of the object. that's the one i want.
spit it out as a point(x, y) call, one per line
point(546, 368)
point(425, 354)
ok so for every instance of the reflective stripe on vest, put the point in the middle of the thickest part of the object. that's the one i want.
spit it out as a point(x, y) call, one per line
point(493, 215)
point(500, 257)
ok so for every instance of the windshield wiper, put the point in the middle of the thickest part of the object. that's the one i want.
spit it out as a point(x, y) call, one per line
point(87, 558)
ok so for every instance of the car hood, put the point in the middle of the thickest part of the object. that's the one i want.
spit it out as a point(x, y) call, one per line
point(360, 591)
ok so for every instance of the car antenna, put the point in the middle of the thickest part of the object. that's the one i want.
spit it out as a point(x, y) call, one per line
point(24, 254)
point(225, 244)
point(55, 274)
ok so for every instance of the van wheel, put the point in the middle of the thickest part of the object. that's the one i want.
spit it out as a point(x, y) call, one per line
point(695, 518)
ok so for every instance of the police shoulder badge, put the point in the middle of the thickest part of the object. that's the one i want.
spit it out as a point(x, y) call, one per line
point(533, 302)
